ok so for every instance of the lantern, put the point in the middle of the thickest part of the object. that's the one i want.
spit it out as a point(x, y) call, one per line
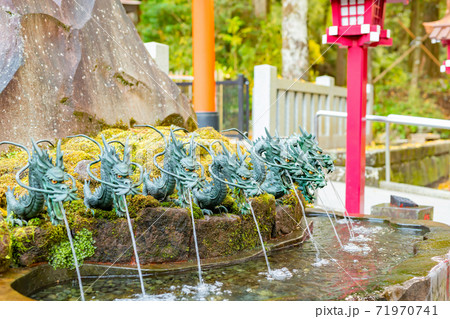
point(439, 31)
point(357, 24)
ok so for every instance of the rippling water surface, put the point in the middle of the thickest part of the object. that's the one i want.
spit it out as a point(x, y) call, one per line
point(297, 273)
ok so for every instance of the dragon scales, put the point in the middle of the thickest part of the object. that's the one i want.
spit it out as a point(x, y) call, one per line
point(45, 187)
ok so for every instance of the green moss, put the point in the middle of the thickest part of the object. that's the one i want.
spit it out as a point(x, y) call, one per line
point(198, 214)
point(136, 203)
point(5, 237)
point(191, 124)
point(21, 240)
point(132, 122)
point(173, 119)
point(61, 255)
point(78, 213)
point(53, 235)
point(168, 204)
point(231, 205)
point(435, 244)
point(64, 100)
point(122, 80)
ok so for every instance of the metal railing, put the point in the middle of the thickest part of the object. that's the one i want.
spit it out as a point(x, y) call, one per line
point(390, 119)
point(232, 98)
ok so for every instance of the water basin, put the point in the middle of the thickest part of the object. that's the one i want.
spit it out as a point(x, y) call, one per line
point(358, 268)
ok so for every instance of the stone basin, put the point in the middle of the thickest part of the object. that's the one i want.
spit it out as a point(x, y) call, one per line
point(420, 276)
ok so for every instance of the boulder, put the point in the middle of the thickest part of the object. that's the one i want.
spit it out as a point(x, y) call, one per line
point(162, 234)
point(5, 246)
point(75, 66)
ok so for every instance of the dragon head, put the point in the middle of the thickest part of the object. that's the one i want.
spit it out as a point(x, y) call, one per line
point(184, 160)
point(234, 170)
point(52, 176)
point(118, 171)
point(308, 144)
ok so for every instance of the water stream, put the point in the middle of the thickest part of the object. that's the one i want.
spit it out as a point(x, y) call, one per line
point(261, 240)
point(306, 220)
point(346, 215)
point(364, 268)
point(331, 222)
point(199, 266)
point(133, 240)
point(75, 259)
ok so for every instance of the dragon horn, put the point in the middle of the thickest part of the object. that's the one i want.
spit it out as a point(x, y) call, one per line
point(243, 134)
point(267, 133)
point(36, 148)
point(118, 142)
point(239, 153)
point(105, 144)
point(90, 139)
point(304, 133)
point(181, 129)
point(126, 151)
point(45, 141)
point(155, 129)
point(59, 156)
point(276, 133)
point(192, 147)
point(18, 145)
point(224, 149)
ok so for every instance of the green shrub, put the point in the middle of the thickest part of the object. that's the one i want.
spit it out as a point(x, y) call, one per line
point(61, 255)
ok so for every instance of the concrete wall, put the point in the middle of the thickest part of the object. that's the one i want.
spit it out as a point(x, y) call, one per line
point(416, 165)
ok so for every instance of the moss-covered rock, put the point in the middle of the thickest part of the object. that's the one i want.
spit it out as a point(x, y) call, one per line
point(78, 152)
point(288, 214)
point(31, 244)
point(163, 234)
point(5, 246)
point(435, 243)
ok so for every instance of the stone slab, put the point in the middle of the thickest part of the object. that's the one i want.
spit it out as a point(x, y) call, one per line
point(419, 212)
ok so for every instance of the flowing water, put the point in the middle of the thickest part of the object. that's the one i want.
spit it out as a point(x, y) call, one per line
point(269, 271)
point(360, 266)
point(331, 222)
point(199, 266)
point(133, 240)
point(75, 260)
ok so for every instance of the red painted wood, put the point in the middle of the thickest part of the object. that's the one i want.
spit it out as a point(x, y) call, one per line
point(447, 69)
point(356, 129)
point(204, 85)
point(352, 37)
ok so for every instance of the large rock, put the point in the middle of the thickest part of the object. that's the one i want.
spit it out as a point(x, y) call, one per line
point(71, 66)
point(162, 234)
point(5, 246)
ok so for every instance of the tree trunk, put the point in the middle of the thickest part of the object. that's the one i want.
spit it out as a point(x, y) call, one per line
point(416, 28)
point(295, 39)
point(431, 13)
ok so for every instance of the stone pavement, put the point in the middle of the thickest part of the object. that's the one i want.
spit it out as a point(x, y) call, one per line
point(374, 196)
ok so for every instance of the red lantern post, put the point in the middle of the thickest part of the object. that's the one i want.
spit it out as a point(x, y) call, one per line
point(439, 31)
point(357, 25)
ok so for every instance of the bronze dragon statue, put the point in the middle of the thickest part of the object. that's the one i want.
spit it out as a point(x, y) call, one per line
point(45, 187)
point(115, 178)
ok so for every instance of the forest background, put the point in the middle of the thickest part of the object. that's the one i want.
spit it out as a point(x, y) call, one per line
point(250, 32)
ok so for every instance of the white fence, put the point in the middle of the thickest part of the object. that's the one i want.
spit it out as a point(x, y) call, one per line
point(283, 105)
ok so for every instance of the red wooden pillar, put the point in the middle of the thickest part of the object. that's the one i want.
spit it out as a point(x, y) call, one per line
point(357, 24)
point(356, 128)
point(204, 59)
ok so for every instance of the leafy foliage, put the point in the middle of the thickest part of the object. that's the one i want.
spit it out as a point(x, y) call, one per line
point(61, 254)
point(243, 41)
